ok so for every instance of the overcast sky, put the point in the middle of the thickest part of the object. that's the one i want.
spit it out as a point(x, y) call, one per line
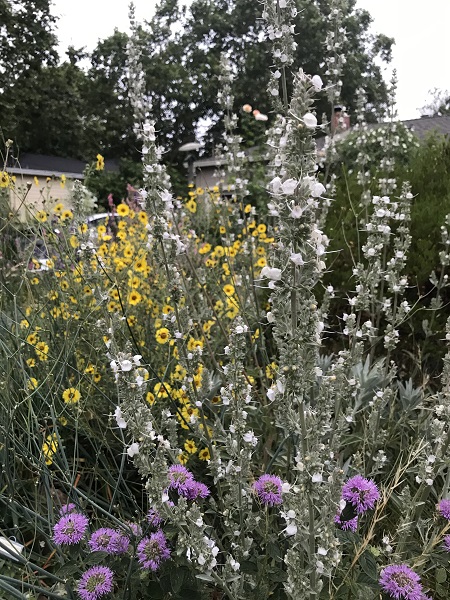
point(421, 31)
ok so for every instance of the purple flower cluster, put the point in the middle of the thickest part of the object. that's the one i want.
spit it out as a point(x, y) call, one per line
point(444, 508)
point(402, 583)
point(67, 509)
point(154, 518)
point(361, 493)
point(135, 528)
point(446, 544)
point(182, 481)
point(153, 550)
point(109, 540)
point(95, 582)
point(268, 489)
point(350, 525)
point(70, 528)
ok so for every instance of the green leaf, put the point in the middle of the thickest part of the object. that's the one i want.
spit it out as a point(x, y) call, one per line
point(249, 567)
point(369, 565)
point(188, 594)
point(95, 558)
point(165, 583)
point(177, 577)
point(205, 577)
point(67, 570)
point(277, 576)
point(154, 591)
point(273, 550)
point(441, 575)
point(367, 581)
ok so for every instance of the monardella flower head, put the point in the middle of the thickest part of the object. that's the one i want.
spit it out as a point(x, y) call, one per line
point(361, 492)
point(268, 489)
point(109, 540)
point(95, 583)
point(135, 528)
point(67, 509)
point(444, 508)
point(70, 529)
point(154, 518)
point(349, 525)
point(194, 490)
point(179, 478)
point(446, 544)
point(153, 550)
point(401, 582)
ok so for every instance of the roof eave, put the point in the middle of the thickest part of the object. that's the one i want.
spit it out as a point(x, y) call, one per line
point(39, 173)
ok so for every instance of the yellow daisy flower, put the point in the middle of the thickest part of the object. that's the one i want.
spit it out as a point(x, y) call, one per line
point(134, 298)
point(41, 350)
point(123, 210)
point(4, 179)
point(162, 335)
point(71, 396)
point(32, 383)
point(42, 216)
point(183, 458)
point(191, 205)
point(66, 215)
point(100, 163)
point(228, 289)
point(142, 216)
point(162, 390)
point(204, 454)
point(190, 447)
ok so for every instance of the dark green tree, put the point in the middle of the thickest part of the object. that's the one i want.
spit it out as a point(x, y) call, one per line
point(27, 43)
point(47, 114)
point(27, 39)
point(70, 111)
point(185, 59)
point(108, 114)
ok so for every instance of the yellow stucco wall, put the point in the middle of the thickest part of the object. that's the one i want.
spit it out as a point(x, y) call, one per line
point(31, 194)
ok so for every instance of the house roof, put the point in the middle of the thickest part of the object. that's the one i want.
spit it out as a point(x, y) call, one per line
point(45, 165)
point(253, 154)
point(421, 127)
point(425, 125)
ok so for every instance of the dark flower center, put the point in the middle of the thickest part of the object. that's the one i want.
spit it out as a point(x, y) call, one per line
point(361, 493)
point(70, 528)
point(103, 540)
point(270, 487)
point(402, 579)
point(152, 550)
point(94, 581)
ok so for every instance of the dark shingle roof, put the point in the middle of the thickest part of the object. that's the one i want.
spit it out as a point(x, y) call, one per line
point(425, 125)
point(56, 164)
point(421, 127)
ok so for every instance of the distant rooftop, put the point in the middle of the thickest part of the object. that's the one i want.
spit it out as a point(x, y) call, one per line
point(426, 125)
point(42, 164)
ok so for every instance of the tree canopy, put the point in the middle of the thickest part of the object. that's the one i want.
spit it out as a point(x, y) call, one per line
point(74, 110)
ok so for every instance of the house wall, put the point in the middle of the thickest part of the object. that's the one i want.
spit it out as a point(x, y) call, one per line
point(28, 197)
point(206, 177)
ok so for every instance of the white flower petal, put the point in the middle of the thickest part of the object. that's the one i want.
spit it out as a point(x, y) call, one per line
point(310, 120)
